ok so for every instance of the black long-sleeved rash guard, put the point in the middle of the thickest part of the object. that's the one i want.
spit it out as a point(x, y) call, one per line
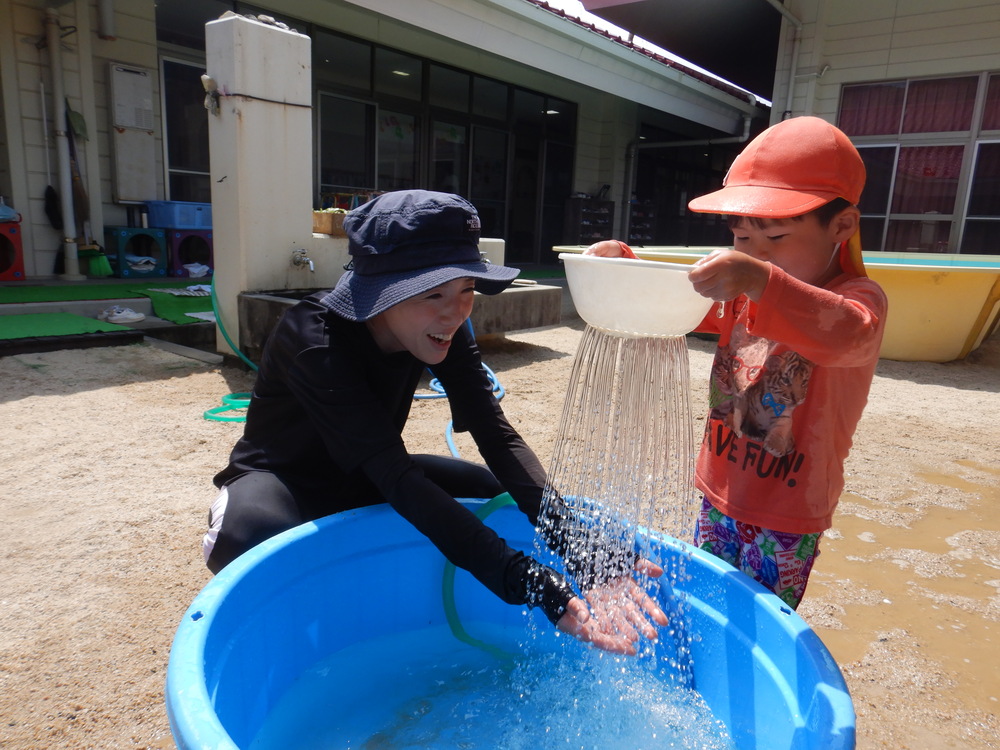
point(326, 416)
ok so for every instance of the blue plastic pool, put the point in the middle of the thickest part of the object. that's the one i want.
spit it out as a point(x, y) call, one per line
point(297, 600)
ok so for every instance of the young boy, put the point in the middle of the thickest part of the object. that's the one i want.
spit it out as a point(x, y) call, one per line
point(800, 325)
point(333, 392)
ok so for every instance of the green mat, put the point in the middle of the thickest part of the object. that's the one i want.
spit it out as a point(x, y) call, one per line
point(60, 293)
point(165, 305)
point(542, 273)
point(175, 309)
point(52, 324)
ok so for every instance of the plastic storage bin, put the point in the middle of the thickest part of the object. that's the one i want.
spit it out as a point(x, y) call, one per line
point(190, 247)
point(179, 215)
point(136, 252)
point(11, 252)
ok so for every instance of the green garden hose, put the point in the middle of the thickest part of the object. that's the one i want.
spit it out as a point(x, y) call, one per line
point(234, 405)
point(234, 402)
point(448, 591)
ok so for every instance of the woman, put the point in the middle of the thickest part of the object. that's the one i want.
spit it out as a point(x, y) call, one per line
point(334, 389)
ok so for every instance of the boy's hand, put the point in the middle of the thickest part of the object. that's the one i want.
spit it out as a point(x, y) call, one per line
point(726, 274)
point(619, 612)
point(605, 249)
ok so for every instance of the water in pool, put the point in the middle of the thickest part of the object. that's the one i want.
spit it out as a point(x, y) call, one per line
point(427, 690)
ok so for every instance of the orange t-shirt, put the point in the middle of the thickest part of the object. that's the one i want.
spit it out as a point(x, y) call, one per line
point(789, 382)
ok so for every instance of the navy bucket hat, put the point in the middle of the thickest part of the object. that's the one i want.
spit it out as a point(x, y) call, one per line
point(405, 243)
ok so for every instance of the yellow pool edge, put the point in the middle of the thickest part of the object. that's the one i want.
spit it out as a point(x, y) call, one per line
point(937, 313)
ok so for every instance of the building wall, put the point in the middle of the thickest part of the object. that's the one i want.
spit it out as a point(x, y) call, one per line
point(606, 122)
point(5, 190)
point(874, 40)
point(32, 163)
point(543, 53)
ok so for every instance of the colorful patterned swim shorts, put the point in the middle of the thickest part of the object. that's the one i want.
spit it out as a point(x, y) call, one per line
point(778, 560)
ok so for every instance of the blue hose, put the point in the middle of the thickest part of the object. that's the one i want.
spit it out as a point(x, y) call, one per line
point(439, 392)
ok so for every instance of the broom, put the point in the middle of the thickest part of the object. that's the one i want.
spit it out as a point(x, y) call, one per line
point(53, 206)
point(76, 126)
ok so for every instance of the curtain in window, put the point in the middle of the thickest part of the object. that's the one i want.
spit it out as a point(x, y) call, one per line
point(927, 179)
point(991, 112)
point(941, 105)
point(872, 109)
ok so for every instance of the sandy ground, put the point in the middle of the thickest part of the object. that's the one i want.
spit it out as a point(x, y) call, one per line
point(108, 462)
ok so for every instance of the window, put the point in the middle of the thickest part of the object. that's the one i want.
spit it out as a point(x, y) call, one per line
point(449, 89)
point(488, 190)
point(389, 120)
point(186, 132)
point(397, 151)
point(932, 151)
point(449, 159)
point(341, 62)
point(398, 75)
point(346, 158)
point(182, 22)
point(982, 225)
point(489, 98)
point(529, 111)
point(560, 120)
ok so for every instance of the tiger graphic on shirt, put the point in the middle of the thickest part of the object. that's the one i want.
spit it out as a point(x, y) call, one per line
point(756, 391)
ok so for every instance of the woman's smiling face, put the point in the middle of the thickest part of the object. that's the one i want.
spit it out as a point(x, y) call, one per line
point(424, 325)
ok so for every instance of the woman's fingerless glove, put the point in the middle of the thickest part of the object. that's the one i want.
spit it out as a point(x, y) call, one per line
point(548, 590)
point(594, 552)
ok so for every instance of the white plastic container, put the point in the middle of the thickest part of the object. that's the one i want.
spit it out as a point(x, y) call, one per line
point(639, 298)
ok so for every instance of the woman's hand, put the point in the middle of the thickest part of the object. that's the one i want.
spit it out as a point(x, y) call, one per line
point(616, 614)
point(726, 274)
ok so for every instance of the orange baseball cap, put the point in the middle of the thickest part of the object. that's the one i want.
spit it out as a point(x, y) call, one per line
point(792, 168)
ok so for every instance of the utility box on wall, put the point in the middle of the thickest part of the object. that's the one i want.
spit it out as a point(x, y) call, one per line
point(133, 137)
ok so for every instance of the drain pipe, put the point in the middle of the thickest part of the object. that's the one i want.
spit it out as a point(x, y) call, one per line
point(632, 152)
point(53, 39)
point(106, 20)
point(796, 45)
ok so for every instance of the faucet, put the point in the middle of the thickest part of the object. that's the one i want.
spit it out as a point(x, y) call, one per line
point(300, 259)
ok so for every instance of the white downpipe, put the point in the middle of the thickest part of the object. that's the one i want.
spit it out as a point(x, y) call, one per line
point(53, 39)
point(792, 71)
point(796, 44)
point(106, 20)
point(792, 19)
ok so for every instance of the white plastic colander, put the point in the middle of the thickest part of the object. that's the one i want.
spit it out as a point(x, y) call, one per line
point(640, 298)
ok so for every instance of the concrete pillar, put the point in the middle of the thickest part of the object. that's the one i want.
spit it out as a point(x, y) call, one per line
point(261, 156)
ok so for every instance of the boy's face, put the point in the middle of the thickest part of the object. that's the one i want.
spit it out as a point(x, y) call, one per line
point(424, 325)
point(803, 248)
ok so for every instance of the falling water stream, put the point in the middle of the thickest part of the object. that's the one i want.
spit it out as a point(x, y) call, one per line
point(622, 464)
point(623, 457)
